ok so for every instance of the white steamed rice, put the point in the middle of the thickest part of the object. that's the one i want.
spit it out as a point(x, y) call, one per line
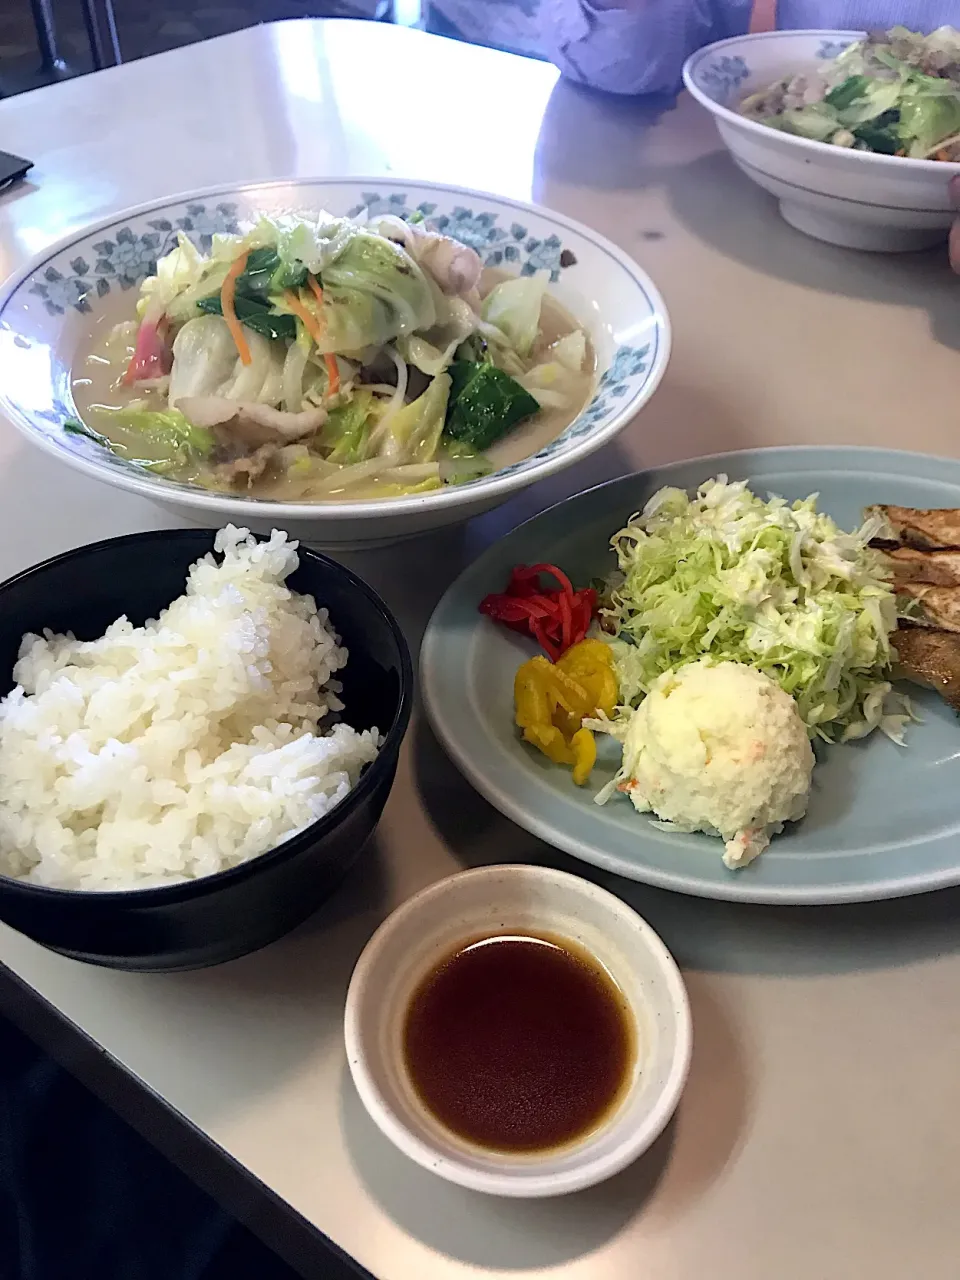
point(170, 751)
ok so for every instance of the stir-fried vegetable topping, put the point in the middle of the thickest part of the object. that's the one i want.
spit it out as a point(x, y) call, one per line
point(895, 93)
point(338, 355)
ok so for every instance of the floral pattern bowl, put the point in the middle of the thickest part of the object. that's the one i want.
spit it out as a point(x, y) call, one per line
point(855, 199)
point(50, 310)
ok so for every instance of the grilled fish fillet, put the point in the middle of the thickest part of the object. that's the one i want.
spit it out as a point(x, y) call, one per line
point(937, 607)
point(937, 568)
point(927, 529)
point(931, 658)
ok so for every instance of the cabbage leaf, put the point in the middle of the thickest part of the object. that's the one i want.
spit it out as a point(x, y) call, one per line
point(412, 434)
point(513, 308)
point(205, 363)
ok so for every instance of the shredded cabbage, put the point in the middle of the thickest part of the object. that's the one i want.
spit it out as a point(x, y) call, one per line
point(894, 92)
point(778, 587)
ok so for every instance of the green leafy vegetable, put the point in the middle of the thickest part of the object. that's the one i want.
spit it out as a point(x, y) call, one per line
point(372, 265)
point(347, 429)
point(817, 122)
point(251, 299)
point(881, 135)
point(255, 315)
point(311, 244)
point(74, 427)
point(848, 91)
point(400, 490)
point(178, 272)
point(256, 279)
point(291, 275)
point(475, 350)
point(166, 431)
point(412, 434)
point(513, 307)
point(778, 587)
point(926, 121)
point(459, 464)
point(878, 97)
point(485, 403)
point(164, 435)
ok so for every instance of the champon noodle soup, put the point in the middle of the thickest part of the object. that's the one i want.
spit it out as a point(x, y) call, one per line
point(894, 93)
point(330, 358)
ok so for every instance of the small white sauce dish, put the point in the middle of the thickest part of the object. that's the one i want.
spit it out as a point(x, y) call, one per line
point(513, 899)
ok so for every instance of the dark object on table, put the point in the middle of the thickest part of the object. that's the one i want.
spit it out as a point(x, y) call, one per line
point(219, 917)
point(101, 25)
point(12, 168)
point(82, 1195)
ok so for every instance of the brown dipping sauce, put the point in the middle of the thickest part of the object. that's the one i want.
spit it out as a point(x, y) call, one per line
point(519, 1042)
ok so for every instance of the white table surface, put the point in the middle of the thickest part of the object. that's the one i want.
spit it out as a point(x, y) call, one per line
point(819, 1135)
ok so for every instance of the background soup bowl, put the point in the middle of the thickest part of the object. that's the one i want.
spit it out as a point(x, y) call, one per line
point(854, 199)
point(50, 312)
point(215, 918)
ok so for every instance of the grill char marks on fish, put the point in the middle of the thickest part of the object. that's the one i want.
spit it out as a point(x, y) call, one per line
point(926, 529)
point(937, 568)
point(936, 607)
point(922, 548)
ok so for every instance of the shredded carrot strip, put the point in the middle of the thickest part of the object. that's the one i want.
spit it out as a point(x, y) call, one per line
point(315, 286)
point(333, 372)
point(227, 295)
point(304, 315)
point(330, 360)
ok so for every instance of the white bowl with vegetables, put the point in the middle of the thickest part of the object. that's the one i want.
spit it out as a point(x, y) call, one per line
point(858, 137)
point(359, 360)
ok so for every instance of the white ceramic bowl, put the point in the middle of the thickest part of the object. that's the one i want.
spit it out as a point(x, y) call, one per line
point(47, 312)
point(850, 198)
point(429, 927)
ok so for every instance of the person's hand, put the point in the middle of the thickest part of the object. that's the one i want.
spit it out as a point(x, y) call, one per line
point(954, 241)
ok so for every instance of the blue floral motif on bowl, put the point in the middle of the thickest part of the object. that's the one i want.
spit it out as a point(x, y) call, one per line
point(497, 246)
point(131, 256)
point(721, 77)
point(832, 48)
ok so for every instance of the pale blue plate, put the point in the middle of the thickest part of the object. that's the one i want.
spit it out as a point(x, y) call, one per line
point(884, 821)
